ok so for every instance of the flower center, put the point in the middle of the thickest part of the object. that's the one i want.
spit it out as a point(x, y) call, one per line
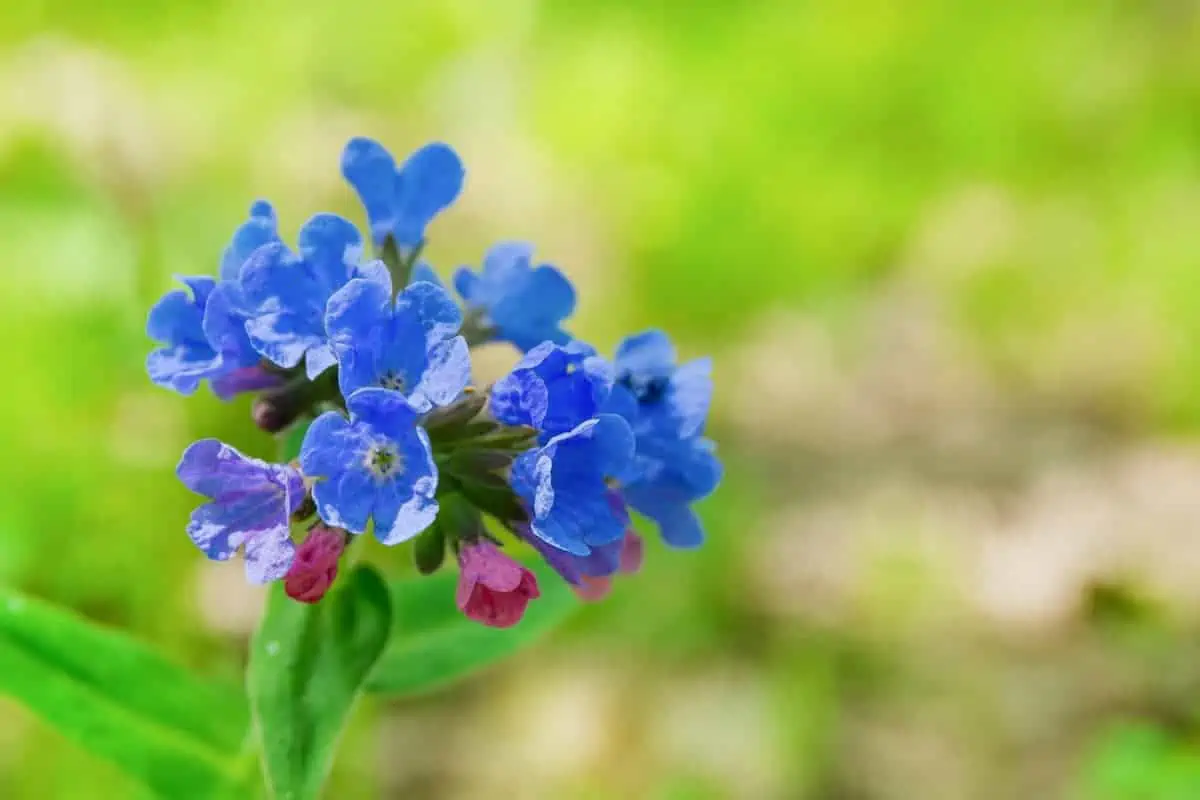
point(650, 391)
point(383, 460)
point(391, 380)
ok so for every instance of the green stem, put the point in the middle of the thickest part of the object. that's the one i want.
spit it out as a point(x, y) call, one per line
point(399, 264)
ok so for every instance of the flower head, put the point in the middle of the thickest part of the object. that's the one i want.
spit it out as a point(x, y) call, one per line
point(553, 389)
point(671, 401)
point(177, 321)
point(409, 345)
point(402, 201)
point(564, 485)
point(521, 303)
point(250, 505)
point(667, 407)
point(315, 566)
point(286, 293)
point(492, 588)
point(378, 465)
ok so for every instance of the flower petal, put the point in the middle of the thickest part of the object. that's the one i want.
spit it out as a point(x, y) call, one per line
point(331, 246)
point(447, 374)
point(356, 320)
point(269, 555)
point(429, 181)
point(370, 169)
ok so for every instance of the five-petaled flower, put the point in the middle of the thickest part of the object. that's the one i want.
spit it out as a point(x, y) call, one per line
point(564, 485)
point(409, 345)
point(667, 407)
point(378, 465)
point(285, 293)
point(402, 201)
point(251, 503)
point(492, 588)
point(516, 301)
point(553, 389)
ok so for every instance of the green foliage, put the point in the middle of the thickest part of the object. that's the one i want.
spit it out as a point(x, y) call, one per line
point(118, 698)
point(1136, 761)
point(307, 667)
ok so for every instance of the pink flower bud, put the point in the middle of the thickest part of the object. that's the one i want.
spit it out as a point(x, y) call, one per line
point(492, 588)
point(592, 589)
point(316, 564)
point(633, 552)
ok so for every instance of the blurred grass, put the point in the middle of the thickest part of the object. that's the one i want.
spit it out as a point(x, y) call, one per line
point(1019, 181)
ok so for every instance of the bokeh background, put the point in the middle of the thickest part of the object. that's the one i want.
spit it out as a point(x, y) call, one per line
point(946, 257)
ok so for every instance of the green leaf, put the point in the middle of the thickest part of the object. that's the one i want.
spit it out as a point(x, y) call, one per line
point(119, 699)
point(307, 667)
point(434, 645)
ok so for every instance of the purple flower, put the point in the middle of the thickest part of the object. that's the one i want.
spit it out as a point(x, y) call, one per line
point(285, 294)
point(376, 465)
point(520, 303)
point(401, 202)
point(408, 345)
point(251, 503)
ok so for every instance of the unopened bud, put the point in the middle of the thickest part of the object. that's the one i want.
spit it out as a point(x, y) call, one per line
point(276, 409)
point(315, 566)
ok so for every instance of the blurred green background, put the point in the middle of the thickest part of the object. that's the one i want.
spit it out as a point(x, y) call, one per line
point(946, 257)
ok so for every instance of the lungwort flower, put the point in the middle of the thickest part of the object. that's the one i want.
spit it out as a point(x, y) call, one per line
point(378, 465)
point(492, 588)
point(204, 335)
point(286, 293)
point(250, 505)
point(553, 389)
point(516, 301)
point(667, 407)
point(559, 452)
point(408, 345)
point(565, 485)
point(402, 201)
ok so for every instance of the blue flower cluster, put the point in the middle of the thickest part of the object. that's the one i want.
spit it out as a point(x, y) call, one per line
point(361, 338)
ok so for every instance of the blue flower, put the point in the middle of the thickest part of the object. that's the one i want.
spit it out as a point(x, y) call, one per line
point(520, 303)
point(261, 228)
point(251, 505)
point(402, 202)
point(177, 320)
point(285, 294)
point(670, 401)
point(564, 485)
point(603, 560)
point(553, 389)
point(409, 345)
point(666, 488)
point(205, 336)
point(667, 407)
point(377, 465)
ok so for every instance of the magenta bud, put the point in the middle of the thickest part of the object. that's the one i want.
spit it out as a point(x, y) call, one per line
point(492, 588)
point(633, 552)
point(315, 566)
point(591, 589)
